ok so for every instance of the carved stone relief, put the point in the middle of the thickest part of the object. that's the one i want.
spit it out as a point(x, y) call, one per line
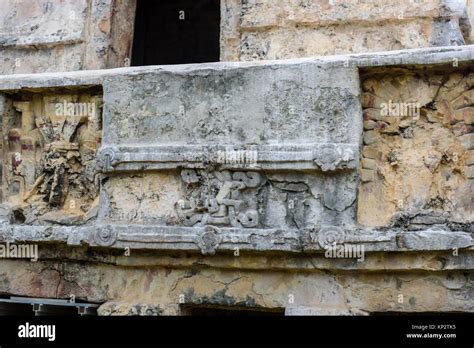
point(221, 198)
point(49, 159)
point(251, 199)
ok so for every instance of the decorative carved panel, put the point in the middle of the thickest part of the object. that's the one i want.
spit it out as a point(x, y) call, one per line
point(50, 172)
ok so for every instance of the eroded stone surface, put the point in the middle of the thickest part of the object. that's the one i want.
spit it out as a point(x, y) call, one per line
point(67, 35)
point(162, 291)
point(290, 28)
point(257, 235)
point(50, 172)
point(416, 169)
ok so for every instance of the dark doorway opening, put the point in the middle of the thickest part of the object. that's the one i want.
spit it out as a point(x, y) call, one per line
point(176, 32)
point(209, 310)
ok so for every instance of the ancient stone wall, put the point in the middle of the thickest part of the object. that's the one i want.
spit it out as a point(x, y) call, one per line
point(326, 185)
point(267, 29)
point(43, 35)
point(470, 17)
point(308, 186)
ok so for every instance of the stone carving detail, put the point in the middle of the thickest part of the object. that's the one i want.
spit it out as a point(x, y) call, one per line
point(50, 168)
point(5, 214)
point(105, 236)
point(330, 235)
point(330, 157)
point(209, 240)
point(220, 198)
point(108, 158)
point(296, 109)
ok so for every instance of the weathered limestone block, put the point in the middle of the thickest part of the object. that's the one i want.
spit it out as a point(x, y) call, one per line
point(284, 43)
point(434, 240)
point(152, 290)
point(290, 28)
point(24, 23)
point(69, 35)
point(320, 12)
point(222, 140)
point(295, 104)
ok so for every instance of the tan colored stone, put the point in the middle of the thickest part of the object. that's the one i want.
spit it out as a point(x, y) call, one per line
point(467, 141)
point(371, 137)
point(302, 41)
point(373, 114)
point(369, 124)
point(104, 25)
point(265, 13)
point(464, 100)
point(368, 163)
point(461, 114)
point(410, 161)
point(367, 175)
point(370, 152)
point(468, 115)
point(470, 157)
point(470, 172)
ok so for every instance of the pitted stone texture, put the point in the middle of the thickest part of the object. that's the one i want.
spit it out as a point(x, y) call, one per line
point(290, 201)
point(156, 118)
point(291, 28)
point(319, 12)
point(43, 23)
point(420, 143)
point(434, 240)
point(271, 104)
point(67, 35)
point(158, 290)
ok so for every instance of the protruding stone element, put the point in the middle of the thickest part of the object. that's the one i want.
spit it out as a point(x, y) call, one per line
point(370, 152)
point(469, 172)
point(108, 157)
point(368, 163)
point(250, 157)
point(105, 236)
point(330, 235)
point(318, 311)
point(367, 175)
point(369, 124)
point(50, 169)
point(371, 137)
point(330, 157)
point(467, 141)
point(209, 240)
point(434, 240)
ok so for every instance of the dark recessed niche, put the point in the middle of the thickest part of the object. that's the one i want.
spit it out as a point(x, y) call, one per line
point(176, 32)
point(209, 310)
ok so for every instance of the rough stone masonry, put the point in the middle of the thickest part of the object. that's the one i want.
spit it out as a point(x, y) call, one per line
point(225, 184)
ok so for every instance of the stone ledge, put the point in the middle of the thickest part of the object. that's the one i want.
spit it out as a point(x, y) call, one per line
point(419, 56)
point(325, 156)
point(210, 239)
